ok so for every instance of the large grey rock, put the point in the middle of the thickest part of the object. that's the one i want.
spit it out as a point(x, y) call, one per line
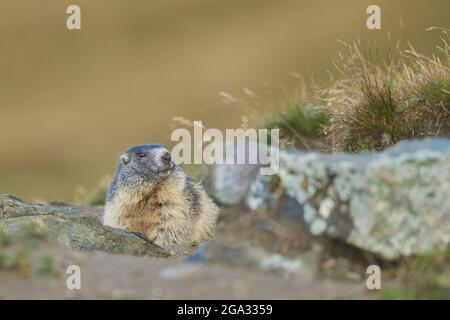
point(266, 193)
point(229, 184)
point(74, 227)
point(394, 203)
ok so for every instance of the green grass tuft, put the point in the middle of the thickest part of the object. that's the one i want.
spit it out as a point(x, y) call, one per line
point(46, 267)
point(422, 277)
point(373, 107)
point(16, 249)
point(300, 122)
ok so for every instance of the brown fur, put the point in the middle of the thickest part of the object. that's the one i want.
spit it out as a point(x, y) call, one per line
point(164, 211)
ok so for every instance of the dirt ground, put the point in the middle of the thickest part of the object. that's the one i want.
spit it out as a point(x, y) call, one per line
point(109, 276)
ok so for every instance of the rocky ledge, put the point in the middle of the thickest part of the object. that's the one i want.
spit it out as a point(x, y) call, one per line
point(73, 227)
point(392, 204)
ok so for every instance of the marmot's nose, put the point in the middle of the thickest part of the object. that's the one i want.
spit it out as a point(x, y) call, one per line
point(166, 157)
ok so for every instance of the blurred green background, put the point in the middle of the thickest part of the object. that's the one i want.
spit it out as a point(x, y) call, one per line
point(72, 101)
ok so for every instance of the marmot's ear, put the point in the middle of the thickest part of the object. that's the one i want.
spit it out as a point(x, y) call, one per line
point(125, 158)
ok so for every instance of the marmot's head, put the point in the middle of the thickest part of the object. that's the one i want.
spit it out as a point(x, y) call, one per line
point(150, 162)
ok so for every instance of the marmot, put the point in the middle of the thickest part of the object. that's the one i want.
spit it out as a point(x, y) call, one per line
point(152, 195)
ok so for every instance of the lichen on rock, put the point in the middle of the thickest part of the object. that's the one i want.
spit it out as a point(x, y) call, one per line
point(73, 227)
point(394, 203)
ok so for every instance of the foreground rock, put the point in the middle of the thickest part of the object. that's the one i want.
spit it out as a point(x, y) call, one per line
point(394, 203)
point(75, 228)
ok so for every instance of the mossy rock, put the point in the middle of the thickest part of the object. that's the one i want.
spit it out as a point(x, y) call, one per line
point(76, 228)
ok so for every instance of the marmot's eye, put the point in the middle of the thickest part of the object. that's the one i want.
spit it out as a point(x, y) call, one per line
point(142, 155)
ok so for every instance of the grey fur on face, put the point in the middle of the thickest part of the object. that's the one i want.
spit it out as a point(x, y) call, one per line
point(146, 163)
